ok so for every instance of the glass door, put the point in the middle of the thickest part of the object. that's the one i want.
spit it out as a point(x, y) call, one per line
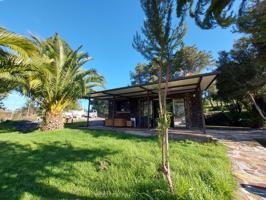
point(146, 113)
point(179, 115)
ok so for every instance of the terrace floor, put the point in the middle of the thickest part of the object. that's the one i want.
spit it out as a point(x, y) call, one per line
point(177, 134)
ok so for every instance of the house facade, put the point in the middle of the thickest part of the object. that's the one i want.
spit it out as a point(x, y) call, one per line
point(138, 106)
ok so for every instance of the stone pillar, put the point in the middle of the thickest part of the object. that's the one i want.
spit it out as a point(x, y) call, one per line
point(193, 110)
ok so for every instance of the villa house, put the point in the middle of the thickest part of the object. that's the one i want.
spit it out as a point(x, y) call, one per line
point(138, 105)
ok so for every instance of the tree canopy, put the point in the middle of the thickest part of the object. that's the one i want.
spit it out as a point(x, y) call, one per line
point(191, 60)
point(211, 13)
point(243, 69)
point(144, 73)
point(188, 60)
point(237, 70)
point(244, 65)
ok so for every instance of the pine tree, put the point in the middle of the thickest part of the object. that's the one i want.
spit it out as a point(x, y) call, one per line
point(161, 41)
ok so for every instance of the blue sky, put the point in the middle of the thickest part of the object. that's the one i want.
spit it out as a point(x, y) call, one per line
point(105, 28)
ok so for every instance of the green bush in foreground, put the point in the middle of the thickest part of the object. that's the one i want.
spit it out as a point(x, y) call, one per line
point(85, 164)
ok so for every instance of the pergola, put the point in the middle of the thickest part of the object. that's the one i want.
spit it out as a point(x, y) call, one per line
point(179, 85)
point(186, 84)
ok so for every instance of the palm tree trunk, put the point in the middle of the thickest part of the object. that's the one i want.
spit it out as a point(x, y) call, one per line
point(52, 121)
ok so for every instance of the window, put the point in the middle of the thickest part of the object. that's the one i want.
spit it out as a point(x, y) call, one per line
point(179, 113)
point(146, 108)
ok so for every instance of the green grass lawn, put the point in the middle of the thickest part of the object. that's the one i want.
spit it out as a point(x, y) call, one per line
point(85, 164)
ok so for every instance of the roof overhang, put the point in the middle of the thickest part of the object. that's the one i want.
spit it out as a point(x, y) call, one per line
point(180, 85)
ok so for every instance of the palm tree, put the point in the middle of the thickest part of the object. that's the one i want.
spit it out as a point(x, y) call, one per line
point(15, 53)
point(59, 80)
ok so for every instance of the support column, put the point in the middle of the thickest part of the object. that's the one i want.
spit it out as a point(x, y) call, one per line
point(113, 112)
point(139, 113)
point(202, 113)
point(188, 110)
point(88, 115)
point(148, 99)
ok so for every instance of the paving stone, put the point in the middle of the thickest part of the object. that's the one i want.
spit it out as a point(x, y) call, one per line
point(248, 161)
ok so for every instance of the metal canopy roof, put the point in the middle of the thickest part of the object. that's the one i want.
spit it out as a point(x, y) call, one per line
point(179, 85)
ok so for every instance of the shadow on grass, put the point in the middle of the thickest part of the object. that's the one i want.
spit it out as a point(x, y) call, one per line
point(23, 126)
point(22, 168)
point(8, 127)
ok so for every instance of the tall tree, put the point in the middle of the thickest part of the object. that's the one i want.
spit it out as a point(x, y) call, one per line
point(240, 75)
point(190, 60)
point(250, 19)
point(161, 41)
point(144, 73)
point(253, 23)
point(59, 80)
point(247, 59)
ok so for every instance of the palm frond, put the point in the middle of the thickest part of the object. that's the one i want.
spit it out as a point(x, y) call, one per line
point(21, 45)
point(57, 78)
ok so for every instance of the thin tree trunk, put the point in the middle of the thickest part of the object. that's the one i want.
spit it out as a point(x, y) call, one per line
point(257, 106)
point(161, 109)
point(160, 89)
point(162, 94)
point(168, 172)
point(167, 163)
point(163, 152)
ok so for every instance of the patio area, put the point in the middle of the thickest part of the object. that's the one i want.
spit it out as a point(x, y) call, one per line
point(176, 134)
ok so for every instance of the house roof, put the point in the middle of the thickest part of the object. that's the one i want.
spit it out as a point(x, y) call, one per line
point(179, 85)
